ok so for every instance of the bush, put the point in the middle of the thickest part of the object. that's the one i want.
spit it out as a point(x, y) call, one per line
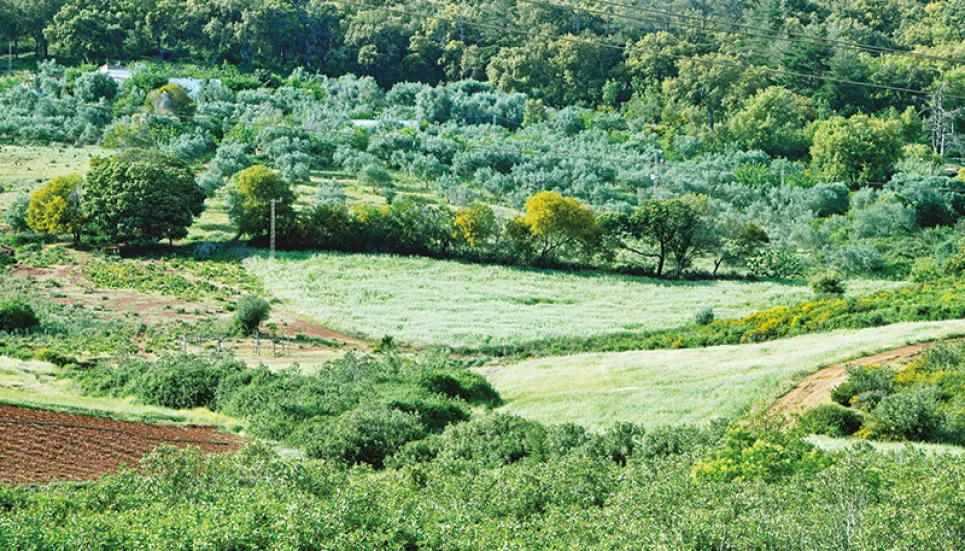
point(924, 270)
point(827, 283)
point(17, 314)
point(366, 435)
point(464, 384)
point(831, 419)
point(907, 415)
point(250, 311)
point(183, 382)
point(16, 215)
point(863, 381)
point(704, 316)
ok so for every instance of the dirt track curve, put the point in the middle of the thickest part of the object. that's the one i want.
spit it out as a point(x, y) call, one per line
point(43, 446)
point(814, 389)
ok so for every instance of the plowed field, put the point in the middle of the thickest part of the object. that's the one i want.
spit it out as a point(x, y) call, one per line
point(43, 446)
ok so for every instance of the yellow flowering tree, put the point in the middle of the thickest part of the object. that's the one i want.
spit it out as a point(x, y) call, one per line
point(55, 208)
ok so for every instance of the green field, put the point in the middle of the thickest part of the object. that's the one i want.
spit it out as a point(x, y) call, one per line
point(424, 301)
point(669, 387)
point(24, 168)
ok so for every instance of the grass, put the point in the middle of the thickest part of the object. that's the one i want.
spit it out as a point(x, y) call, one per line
point(835, 445)
point(665, 387)
point(423, 301)
point(24, 168)
point(38, 385)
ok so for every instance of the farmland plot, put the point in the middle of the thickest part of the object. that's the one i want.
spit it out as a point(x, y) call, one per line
point(434, 302)
point(669, 387)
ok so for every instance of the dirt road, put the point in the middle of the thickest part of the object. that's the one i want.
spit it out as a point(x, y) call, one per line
point(815, 389)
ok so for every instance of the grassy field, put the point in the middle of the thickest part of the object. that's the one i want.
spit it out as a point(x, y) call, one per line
point(664, 387)
point(36, 384)
point(424, 301)
point(24, 168)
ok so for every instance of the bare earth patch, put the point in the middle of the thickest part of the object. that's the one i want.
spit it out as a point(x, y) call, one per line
point(43, 446)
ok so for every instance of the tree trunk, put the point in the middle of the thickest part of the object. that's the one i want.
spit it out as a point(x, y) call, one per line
point(660, 261)
point(717, 263)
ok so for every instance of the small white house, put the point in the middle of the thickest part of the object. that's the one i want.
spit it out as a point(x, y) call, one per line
point(120, 73)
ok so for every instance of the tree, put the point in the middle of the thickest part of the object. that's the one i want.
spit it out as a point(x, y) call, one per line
point(738, 242)
point(475, 225)
point(95, 29)
point(250, 198)
point(141, 196)
point(56, 207)
point(95, 86)
point(773, 121)
point(561, 224)
point(16, 215)
point(669, 228)
point(858, 149)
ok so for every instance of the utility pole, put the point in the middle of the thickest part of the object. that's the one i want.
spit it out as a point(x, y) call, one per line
point(271, 254)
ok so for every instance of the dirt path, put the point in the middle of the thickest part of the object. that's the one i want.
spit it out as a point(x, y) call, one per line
point(816, 388)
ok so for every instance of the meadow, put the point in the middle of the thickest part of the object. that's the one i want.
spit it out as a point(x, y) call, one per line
point(669, 387)
point(422, 301)
point(23, 168)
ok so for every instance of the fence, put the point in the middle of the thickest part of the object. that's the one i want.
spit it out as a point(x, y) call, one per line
point(256, 344)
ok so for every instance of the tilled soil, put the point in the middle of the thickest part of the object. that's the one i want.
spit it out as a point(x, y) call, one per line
point(44, 446)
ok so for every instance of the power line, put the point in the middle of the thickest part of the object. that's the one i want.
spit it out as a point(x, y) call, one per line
point(758, 32)
point(578, 40)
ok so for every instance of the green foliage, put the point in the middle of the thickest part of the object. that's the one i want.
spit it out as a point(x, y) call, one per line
point(17, 314)
point(140, 196)
point(251, 196)
point(170, 100)
point(827, 283)
point(16, 215)
point(250, 312)
point(182, 382)
point(831, 419)
point(906, 415)
point(704, 316)
point(94, 87)
point(767, 455)
point(859, 149)
point(865, 386)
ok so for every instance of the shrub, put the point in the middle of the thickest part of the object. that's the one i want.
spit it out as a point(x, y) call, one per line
point(704, 316)
point(827, 283)
point(16, 215)
point(183, 382)
point(769, 456)
point(907, 415)
point(831, 419)
point(17, 314)
point(863, 381)
point(463, 384)
point(494, 440)
point(250, 311)
point(924, 270)
point(365, 435)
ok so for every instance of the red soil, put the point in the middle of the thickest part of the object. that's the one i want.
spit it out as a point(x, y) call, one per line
point(43, 446)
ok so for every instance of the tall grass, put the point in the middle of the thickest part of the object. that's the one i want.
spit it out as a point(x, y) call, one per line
point(668, 387)
point(426, 301)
